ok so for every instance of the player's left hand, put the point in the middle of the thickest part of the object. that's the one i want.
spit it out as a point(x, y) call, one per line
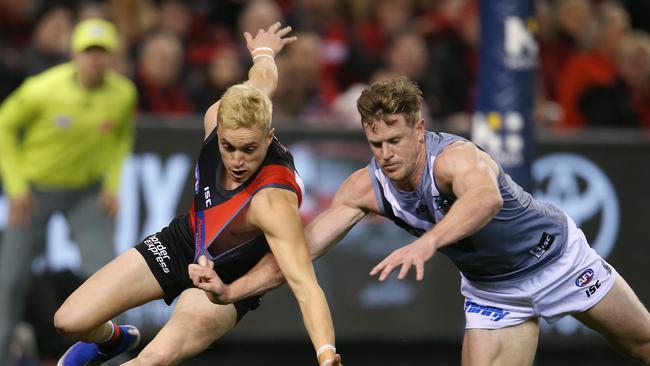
point(274, 38)
point(204, 277)
point(414, 254)
point(109, 202)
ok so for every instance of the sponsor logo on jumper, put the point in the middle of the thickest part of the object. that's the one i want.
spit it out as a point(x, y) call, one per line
point(443, 205)
point(593, 288)
point(585, 277)
point(495, 313)
point(544, 244)
point(159, 251)
point(206, 195)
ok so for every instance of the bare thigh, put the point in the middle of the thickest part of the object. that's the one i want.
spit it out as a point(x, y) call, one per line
point(194, 325)
point(512, 346)
point(622, 319)
point(123, 283)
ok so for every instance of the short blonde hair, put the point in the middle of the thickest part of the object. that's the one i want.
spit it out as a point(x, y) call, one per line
point(244, 105)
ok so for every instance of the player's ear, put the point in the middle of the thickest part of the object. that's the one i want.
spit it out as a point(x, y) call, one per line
point(269, 136)
point(419, 129)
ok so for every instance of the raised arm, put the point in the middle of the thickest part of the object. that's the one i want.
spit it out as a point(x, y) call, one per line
point(275, 211)
point(263, 74)
point(469, 174)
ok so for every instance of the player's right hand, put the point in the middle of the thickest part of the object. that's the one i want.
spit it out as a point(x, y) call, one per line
point(20, 210)
point(336, 361)
point(204, 277)
point(274, 38)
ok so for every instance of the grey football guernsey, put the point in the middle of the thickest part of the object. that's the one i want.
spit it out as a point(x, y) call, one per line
point(524, 235)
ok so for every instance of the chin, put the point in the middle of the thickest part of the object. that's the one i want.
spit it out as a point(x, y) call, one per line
point(395, 176)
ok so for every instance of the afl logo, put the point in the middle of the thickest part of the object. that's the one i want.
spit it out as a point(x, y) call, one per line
point(584, 278)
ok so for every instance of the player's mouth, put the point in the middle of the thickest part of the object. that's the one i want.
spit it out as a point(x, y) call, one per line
point(390, 167)
point(238, 174)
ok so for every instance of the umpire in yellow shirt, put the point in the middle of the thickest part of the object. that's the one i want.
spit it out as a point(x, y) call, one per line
point(63, 137)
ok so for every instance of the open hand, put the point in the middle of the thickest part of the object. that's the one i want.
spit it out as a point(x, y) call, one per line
point(414, 254)
point(273, 38)
point(204, 277)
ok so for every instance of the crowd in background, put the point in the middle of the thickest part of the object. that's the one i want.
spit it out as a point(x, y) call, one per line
point(594, 67)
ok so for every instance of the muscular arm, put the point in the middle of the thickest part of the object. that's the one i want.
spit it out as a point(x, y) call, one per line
point(471, 175)
point(275, 211)
point(353, 201)
point(263, 74)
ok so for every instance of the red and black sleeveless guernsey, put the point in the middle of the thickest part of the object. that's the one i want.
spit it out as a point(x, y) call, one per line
point(216, 213)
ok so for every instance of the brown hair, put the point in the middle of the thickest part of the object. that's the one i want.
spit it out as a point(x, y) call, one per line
point(392, 96)
point(244, 105)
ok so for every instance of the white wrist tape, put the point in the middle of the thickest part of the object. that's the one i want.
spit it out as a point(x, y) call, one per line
point(324, 348)
point(263, 49)
point(263, 55)
point(327, 362)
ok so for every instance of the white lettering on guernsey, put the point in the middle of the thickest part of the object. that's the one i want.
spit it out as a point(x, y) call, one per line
point(206, 195)
point(159, 251)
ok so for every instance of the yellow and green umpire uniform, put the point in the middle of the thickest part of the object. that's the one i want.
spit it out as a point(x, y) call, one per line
point(64, 144)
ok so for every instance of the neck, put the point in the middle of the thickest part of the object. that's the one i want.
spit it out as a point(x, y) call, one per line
point(88, 83)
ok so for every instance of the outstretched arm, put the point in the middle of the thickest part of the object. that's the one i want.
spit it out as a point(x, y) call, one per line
point(353, 201)
point(263, 74)
point(284, 233)
point(471, 175)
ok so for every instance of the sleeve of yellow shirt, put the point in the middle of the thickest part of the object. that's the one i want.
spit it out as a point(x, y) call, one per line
point(125, 136)
point(15, 114)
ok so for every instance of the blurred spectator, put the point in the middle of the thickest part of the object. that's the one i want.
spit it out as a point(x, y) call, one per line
point(175, 16)
point(15, 36)
point(50, 45)
point(592, 67)
point(159, 75)
point(327, 19)
point(625, 102)
point(89, 9)
point(639, 12)
point(64, 134)
point(259, 14)
point(223, 70)
point(577, 39)
point(452, 35)
point(256, 15)
point(371, 37)
point(303, 94)
point(566, 27)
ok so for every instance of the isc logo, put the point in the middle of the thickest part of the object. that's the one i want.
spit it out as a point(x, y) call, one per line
point(206, 195)
point(584, 278)
point(593, 288)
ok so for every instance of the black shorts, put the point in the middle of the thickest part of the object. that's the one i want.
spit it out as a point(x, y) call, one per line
point(168, 254)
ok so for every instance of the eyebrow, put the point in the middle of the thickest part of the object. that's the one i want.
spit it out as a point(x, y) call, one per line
point(248, 144)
